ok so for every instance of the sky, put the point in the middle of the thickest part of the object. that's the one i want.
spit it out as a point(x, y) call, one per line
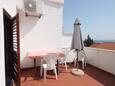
point(97, 18)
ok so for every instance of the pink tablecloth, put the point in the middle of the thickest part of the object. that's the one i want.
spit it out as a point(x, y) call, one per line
point(41, 54)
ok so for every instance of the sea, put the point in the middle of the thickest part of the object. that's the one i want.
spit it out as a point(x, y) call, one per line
point(104, 41)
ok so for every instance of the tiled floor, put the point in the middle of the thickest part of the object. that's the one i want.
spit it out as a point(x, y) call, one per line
point(92, 77)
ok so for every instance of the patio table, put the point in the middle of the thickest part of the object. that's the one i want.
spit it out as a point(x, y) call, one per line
point(40, 54)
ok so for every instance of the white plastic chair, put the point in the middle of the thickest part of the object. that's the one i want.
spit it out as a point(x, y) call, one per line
point(81, 57)
point(62, 60)
point(49, 64)
point(69, 57)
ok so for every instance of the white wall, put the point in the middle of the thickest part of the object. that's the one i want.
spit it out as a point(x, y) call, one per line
point(66, 40)
point(36, 34)
point(41, 34)
point(101, 58)
point(9, 6)
point(2, 68)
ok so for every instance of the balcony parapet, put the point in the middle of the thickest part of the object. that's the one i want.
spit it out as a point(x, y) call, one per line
point(101, 58)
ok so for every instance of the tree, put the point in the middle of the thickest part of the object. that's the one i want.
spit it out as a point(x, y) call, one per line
point(88, 41)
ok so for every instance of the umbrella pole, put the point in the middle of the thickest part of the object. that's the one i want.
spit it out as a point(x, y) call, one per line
point(77, 60)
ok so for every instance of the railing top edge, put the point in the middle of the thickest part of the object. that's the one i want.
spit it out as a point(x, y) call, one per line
point(100, 49)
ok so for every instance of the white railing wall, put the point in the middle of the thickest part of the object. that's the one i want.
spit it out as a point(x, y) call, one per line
point(101, 58)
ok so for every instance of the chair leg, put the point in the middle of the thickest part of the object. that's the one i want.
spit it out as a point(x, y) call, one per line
point(83, 63)
point(41, 68)
point(41, 71)
point(65, 66)
point(85, 59)
point(45, 74)
point(74, 62)
point(55, 71)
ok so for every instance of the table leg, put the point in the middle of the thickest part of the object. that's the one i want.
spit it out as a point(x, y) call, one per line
point(35, 63)
point(57, 67)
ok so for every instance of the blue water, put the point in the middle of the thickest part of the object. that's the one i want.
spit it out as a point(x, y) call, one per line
point(104, 41)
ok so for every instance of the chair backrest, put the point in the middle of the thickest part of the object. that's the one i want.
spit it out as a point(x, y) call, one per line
point(66, 50)
point(81, 55)
point(50, 60)
point(70, 57)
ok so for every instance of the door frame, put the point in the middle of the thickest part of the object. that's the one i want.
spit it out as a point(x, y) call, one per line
point(15, 21)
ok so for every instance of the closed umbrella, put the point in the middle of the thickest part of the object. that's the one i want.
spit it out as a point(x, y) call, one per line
point(77, 44)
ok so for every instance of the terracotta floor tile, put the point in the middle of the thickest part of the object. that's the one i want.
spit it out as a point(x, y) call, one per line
point(93, 77)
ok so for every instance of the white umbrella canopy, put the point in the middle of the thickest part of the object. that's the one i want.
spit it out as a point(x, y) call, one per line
point(77, 44)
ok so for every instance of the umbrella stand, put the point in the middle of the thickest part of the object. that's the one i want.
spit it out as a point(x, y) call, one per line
point(77, 71)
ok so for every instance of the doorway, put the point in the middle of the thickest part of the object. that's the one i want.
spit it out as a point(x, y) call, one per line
point(12, 49)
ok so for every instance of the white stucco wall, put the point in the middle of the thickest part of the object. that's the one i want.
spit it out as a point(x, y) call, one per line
point(66, 40)
point(41, 34)
point(10, 6)
point(2, 68)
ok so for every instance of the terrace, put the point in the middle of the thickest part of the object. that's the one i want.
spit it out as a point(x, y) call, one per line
point(100, 71)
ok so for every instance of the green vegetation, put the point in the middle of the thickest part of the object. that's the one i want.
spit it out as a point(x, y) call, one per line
point(88, 41)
